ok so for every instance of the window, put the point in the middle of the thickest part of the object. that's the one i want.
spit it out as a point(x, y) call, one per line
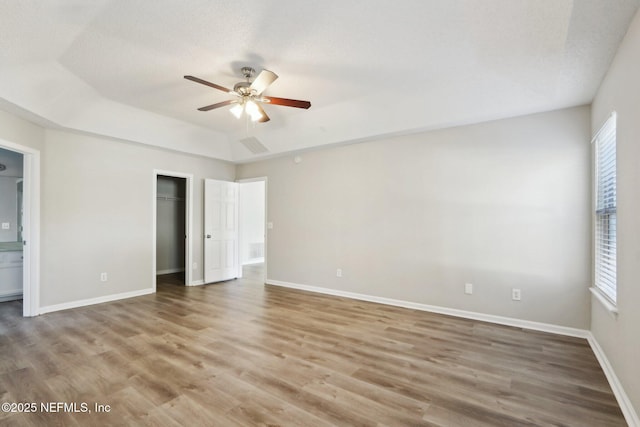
point(605, 209)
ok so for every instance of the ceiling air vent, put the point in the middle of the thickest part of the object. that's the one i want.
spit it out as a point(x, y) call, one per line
point(254, 145)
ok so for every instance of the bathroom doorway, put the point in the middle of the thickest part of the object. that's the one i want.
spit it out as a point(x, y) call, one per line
point(19, 226)
point(11, 210)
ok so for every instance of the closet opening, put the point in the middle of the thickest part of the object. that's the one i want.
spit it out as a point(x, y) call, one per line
point(171, 230)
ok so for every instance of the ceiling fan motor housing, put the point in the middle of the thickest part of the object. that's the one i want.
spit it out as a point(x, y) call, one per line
point(243, 88)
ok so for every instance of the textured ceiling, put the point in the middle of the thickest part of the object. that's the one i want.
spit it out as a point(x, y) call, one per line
point(369, 67)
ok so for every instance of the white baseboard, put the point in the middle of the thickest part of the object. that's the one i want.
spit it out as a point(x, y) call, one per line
point(526, 324)
point(253, 261)
point(196, 283)
point(630, 415)
point(169, 271)
point(11, 295)
point(11, 292)
point(92, 301)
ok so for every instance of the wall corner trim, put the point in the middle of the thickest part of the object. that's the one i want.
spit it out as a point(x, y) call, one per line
point(92, 301)
point(630, 414)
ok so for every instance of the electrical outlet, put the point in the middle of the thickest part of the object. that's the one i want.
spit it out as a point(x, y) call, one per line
point(339, 272)
point(516, 295)
point(6, 226)
point(103, 277)
point(270, 225)
point(468, 288)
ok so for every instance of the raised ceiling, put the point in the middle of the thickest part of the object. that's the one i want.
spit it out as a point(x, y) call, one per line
point(370, 68)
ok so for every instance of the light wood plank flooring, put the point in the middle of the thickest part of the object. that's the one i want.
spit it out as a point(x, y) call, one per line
point(240, 354)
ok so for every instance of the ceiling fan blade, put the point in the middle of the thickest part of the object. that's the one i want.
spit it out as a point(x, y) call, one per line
point(218, 105)
point(206, 83)
point(263, 81)
point(264, 117)
point(288, 102)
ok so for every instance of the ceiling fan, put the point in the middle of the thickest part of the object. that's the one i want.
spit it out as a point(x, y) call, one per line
point(248, 95)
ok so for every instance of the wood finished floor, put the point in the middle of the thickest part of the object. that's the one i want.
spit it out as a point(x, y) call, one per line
point(240, 353)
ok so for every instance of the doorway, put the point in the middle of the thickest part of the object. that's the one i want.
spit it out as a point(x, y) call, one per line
point(252, 221)
point(11, 175)
point(172, 227)
point(19, 230)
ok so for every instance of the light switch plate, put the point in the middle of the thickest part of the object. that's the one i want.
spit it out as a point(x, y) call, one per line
point(6, 226)
point(516, 294)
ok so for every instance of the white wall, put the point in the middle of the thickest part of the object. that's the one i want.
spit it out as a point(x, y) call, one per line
point(97, 212)
point(20, 131)
point(97, 209)
point(501, 204)
point(9, 208)
point(620, 336)
point(170, 225)
point(251, 219)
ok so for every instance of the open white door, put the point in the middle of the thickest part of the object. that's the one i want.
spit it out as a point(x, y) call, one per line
point(220, 230)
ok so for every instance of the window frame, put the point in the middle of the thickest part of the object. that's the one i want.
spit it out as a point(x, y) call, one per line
point(605, 212)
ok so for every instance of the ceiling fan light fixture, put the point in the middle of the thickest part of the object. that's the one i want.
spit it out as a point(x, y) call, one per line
point(252, 110)
point(237, 110)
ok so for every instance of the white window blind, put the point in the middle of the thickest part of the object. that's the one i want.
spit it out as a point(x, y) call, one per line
point(605, 214)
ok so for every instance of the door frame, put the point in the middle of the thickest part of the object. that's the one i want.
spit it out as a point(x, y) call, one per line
point(266, 216)
point(188, 217)
point(31, 226)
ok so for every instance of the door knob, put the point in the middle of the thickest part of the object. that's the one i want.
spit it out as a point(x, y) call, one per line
point(208, 236)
